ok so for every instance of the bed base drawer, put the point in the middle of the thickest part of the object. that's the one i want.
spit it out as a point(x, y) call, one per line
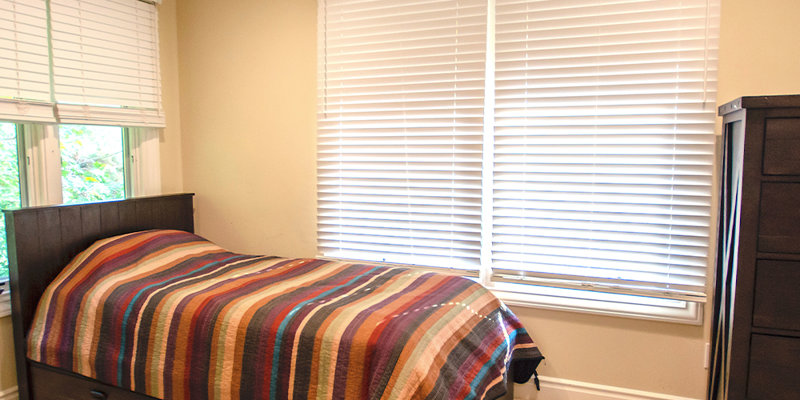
point(50, 383)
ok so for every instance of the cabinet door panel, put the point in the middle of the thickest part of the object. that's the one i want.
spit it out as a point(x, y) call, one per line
point(779, 225)
point(782, 146)
point(774, 363)
point(777, 299)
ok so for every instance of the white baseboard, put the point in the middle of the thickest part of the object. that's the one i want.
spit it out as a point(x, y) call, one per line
point(566, 389)
point(9, 394)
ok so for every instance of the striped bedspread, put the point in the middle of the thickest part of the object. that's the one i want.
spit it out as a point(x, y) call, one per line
point(173, 316)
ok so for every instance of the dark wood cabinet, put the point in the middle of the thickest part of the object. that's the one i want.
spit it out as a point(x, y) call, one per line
point(758, 262)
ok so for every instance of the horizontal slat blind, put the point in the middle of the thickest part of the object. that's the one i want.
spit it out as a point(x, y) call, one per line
point(25, 67)
point(400, 131)
point(105, 62)
point(604, 144)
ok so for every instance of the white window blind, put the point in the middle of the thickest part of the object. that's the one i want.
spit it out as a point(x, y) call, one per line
point(604, 144)
point(400, 131)
point(596, 152)
point(105, 62)
point(25, 67)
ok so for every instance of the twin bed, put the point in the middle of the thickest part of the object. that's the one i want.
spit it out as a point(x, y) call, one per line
point(120, 300)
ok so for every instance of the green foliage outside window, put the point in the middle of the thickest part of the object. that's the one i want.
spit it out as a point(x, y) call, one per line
point(91, 163)
point(9, 185)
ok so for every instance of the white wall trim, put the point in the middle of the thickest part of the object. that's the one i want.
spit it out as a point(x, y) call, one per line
point(43, 164)
point(5, 309)
point(9, 394)
point(566, 389)
point(144, 162)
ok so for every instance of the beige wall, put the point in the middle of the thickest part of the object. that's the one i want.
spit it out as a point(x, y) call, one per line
point(246, 139)
point(248, 115)
point(8, 377)
point(171, 160)
point(759, 48)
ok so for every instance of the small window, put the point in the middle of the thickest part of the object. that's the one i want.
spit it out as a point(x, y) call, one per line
point(9, 185)
point(92, 166)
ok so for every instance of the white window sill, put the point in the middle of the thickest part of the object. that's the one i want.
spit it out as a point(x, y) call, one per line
point(588, 302)
point(572, 300)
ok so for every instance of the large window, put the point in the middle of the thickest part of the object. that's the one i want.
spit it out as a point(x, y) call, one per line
point(561, 153)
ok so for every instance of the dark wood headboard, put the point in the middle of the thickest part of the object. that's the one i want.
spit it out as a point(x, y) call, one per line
point(43, 240)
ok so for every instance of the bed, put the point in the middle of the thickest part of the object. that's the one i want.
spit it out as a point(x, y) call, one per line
point(62, 251)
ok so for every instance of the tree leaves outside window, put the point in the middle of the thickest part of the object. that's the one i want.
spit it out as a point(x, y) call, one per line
point(91, 163)
point(9, 185)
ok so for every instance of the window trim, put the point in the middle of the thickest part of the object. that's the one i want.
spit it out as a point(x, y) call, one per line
point(22, 165)
point(5, 302)
point(690, 314)
point(43, 164)
point(141, 148)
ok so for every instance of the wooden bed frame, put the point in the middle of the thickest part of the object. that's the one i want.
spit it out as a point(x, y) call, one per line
point(41, 241)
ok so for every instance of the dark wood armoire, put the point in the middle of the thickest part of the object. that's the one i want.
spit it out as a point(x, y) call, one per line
point(756, 354)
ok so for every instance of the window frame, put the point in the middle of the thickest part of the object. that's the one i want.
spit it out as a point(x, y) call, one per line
point(42, 163)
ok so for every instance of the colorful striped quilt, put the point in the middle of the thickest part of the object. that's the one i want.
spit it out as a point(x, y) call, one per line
point(173, 316)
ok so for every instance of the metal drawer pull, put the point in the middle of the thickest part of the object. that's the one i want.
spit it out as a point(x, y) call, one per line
point(96, 394)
